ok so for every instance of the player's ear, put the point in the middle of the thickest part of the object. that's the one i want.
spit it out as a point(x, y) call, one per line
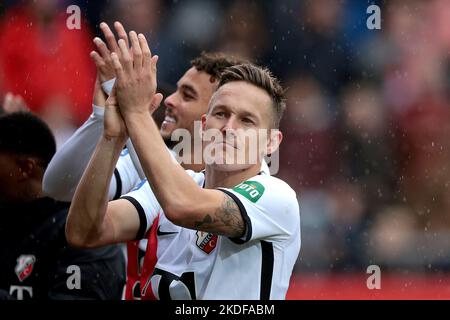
point(274, 141)
point(26, 167)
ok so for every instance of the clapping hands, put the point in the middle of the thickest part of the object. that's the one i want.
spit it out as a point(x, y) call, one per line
point(135, 71)
point(134, 68)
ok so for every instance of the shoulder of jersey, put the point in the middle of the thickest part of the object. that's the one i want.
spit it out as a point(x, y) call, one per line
point(266, 188)
point(273, 183)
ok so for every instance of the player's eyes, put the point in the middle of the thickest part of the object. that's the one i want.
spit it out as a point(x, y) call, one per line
point(187, 97)
point(220, 114)
point(248, 121)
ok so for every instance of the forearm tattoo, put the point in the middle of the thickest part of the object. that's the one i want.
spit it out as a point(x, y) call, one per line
point(227, 215)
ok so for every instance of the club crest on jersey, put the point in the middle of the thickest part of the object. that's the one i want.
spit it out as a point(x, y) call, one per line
point(206, 241)
point(25, 265)
point(252, 190)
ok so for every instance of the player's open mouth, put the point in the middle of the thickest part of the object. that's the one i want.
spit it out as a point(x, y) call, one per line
point(169, 119)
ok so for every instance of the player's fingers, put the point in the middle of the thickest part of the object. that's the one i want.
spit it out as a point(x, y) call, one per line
point(127, 62)
point(110, 38)
point(121, 32)
point(153, 63)
point(146, 52)
point(98, 60)
point(136, 50)
point(102, 48)
point(118, 67)
point(156, 101)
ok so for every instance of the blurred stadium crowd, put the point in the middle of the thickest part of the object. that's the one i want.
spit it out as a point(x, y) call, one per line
point(367, 126)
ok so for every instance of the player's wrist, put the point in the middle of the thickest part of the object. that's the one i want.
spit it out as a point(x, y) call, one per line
point(135, 112)
point(137, 119)
point(118, 138)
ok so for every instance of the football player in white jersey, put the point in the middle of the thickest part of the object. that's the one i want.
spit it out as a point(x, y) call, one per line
point(239, 234)
point(183, 107)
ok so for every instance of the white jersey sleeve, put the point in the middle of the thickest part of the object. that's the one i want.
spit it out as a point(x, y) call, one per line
point(269, 207)
point(68, 164)
point(66, 168)
point(146, 204)
point(128, 173)
point(126, 176)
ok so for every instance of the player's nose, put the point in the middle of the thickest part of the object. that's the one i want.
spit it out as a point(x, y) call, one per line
point(171, 101)
point(231, 124)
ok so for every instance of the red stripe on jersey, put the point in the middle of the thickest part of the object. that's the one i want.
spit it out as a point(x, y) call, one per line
point(133, 272)
point(150, 262)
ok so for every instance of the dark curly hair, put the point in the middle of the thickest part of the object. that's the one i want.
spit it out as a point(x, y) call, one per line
point(214, 63)
point(23, 133)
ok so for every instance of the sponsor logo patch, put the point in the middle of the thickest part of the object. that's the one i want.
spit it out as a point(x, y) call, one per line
point(206, 241)
point(252, 190)
point(24, 266)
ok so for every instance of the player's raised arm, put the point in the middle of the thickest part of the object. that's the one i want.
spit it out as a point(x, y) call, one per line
point(183, 202)
point(68, 164)
point(92, 221)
